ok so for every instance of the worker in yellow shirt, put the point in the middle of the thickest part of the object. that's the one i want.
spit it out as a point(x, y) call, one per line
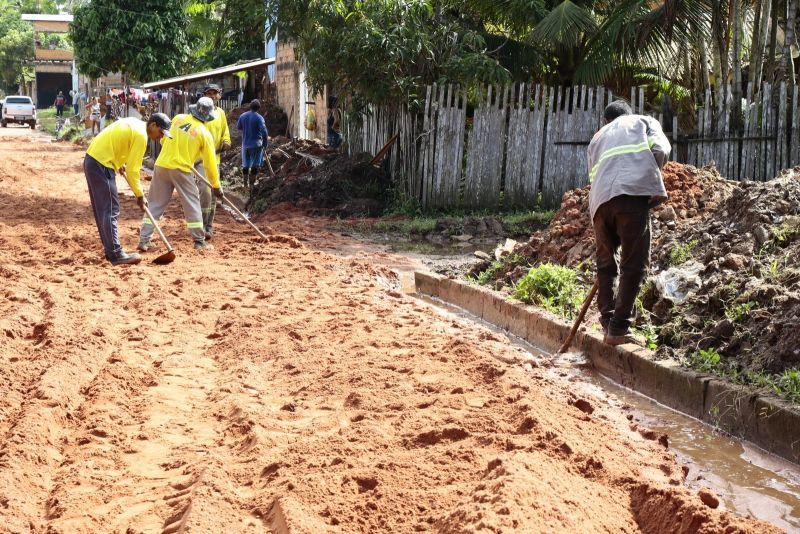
point(119, 146)
point(222, 141)
point(190, 141)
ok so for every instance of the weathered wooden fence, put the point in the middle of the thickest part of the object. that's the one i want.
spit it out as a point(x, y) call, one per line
point(518, 145)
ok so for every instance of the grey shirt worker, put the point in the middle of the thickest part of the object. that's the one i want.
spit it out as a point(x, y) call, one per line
point(625, 159)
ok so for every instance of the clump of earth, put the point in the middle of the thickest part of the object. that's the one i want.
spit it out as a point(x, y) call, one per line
point(724, 272)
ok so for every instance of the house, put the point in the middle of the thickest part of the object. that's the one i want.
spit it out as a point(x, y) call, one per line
point(249, 76)
point(295, 96)
point(54, 62)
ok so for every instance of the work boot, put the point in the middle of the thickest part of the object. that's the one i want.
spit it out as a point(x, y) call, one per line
point(123, 258)
point(143, 246)
point(200, 245)
point(209, 234)
point(624, 339)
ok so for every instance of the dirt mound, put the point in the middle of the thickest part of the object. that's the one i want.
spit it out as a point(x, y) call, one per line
point(313, 177)
point(569, 240)
point(274, 116)
point(745, 236)
point(748, 306)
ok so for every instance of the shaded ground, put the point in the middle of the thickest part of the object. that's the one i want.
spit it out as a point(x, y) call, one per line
point(272, 387)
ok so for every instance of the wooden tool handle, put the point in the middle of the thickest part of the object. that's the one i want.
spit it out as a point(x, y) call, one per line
point(586, 303)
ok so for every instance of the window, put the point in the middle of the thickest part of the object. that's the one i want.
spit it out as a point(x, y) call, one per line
point(18, 100)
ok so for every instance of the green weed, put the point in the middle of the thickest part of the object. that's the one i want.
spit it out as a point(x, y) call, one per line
point(707, 361)
point(739, 312)
point(789, 385)
point(553, 287)
point(650, 334)
point(680, 254)
point(488, 275)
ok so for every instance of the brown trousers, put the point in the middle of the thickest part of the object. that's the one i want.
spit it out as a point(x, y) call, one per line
point(622, 222)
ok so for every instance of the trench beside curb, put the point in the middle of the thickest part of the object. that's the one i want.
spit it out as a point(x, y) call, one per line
point(766, 421)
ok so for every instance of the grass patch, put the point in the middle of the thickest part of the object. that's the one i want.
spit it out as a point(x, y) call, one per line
point(680, 254)
point(785, 385)
point(553, 287)
point(519, 223)
point(514, 223)
point(488, 275)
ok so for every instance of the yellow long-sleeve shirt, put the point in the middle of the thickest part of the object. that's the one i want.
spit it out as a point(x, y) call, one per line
point(191, 141)
point(122, 143)
point(219, 129)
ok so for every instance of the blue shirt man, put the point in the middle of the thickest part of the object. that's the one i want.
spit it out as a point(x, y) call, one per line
point(254, 139)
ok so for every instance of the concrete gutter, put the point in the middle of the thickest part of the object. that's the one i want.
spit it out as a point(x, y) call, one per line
point(766, 421)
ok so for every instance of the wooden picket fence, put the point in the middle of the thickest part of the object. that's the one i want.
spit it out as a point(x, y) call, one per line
point(522, 145)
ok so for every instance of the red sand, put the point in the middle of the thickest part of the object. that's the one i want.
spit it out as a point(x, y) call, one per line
point(275, 388)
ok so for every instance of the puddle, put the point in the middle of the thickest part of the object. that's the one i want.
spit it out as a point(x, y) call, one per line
point(747, 479)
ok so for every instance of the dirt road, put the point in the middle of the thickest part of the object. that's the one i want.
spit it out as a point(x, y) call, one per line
point(277, 388)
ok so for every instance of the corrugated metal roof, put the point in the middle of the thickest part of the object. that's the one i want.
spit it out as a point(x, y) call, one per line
point(47, 18)
point(228, 69)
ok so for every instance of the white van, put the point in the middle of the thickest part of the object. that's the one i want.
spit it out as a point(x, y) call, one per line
point(19, 109)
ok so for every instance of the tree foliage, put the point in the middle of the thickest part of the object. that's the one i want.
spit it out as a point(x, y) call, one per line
point(145, 39)
point(225, 31)
point(383, 50)
point(16, 48)
point(16, 41)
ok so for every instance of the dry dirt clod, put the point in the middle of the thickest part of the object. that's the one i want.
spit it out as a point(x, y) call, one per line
point(708, 498)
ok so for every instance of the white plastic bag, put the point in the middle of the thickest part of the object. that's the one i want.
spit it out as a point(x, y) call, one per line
point(678, 283)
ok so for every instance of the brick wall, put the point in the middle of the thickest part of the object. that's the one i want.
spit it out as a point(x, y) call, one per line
point(287, 72)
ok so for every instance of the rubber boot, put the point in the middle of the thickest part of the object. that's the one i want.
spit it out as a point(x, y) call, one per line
point(126, 259)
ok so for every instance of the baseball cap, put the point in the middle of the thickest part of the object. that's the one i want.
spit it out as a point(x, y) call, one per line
point(212, 87)
point(163, 122)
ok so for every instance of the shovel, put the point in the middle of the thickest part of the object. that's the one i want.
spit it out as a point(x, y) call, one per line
point(589, 298)
point(231, 205)
point(169, 256)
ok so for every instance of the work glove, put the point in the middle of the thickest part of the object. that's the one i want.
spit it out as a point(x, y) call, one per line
point(141, 202)
point(226, 146)
point(218, 193)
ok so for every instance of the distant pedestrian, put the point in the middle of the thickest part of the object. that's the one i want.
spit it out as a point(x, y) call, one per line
point(334, 130)
point(625, 159)
point(119, 146)
point(109, 110)
point(94, 114)
point(59, 103)
point(254, 138)
point(75, 101)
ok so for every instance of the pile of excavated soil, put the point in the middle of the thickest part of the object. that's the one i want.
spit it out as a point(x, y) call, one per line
point(569, 240)
point(748, 306)
point(339, 185)
point(745, 237)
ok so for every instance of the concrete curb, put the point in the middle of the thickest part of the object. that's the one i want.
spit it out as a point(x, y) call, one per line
point(768, 422)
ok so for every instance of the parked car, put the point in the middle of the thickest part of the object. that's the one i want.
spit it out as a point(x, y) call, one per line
point(20, 110)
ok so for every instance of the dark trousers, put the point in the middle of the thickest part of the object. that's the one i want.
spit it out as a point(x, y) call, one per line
point(622, 222)
point(59, 111)
point(102, 183)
